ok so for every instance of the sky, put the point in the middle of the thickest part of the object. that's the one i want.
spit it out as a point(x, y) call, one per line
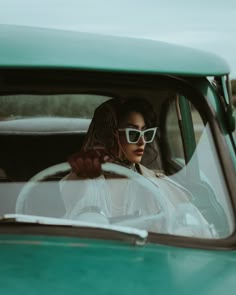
point(205, 24)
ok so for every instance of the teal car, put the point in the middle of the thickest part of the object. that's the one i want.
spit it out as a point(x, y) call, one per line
point(51, 81)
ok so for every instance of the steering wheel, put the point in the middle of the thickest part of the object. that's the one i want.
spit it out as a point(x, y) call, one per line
point(147, 183)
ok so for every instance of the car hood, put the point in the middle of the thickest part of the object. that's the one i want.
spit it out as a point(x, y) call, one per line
point(46, 265)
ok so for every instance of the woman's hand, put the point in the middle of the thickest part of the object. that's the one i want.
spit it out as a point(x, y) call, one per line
point(87, 164)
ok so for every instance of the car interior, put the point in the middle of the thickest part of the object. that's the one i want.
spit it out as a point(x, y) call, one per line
point(25, 153)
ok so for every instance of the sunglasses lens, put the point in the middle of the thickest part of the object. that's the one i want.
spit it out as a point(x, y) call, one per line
point(148, 135)
point(134, 136)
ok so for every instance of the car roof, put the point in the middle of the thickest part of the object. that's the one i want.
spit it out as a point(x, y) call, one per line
point(50, 48)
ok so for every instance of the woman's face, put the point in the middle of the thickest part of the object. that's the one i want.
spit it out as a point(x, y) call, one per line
point(133, 151)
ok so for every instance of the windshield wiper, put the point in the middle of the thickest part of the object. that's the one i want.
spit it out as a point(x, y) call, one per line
point(85, 229)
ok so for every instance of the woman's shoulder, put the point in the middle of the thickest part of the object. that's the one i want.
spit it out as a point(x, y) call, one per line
point(176, 191)
point(149, 172)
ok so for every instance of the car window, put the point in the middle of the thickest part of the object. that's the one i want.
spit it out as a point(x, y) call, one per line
point(47, 113)
point(198, 166)
point(173, 135)
point(61, 105)
point(180, 189)
point(183, 129)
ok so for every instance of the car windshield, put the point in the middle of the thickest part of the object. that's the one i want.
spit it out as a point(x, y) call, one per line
point(178, 188)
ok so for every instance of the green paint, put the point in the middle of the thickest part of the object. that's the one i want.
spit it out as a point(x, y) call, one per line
point(187, 128)
point(46, 265)
point(31, 47)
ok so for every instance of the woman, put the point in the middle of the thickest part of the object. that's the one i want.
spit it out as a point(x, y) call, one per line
point(108, 133)
point(120, 132)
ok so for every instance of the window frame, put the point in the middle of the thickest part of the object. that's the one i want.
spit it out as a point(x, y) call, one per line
point(184, 85)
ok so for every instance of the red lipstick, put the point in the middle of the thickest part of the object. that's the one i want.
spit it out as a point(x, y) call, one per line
point(139, 152)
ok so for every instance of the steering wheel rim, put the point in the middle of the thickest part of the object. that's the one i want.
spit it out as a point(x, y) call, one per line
point(107, 167)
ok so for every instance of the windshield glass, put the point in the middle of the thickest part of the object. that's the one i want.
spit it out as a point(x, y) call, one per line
point(167, 179)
